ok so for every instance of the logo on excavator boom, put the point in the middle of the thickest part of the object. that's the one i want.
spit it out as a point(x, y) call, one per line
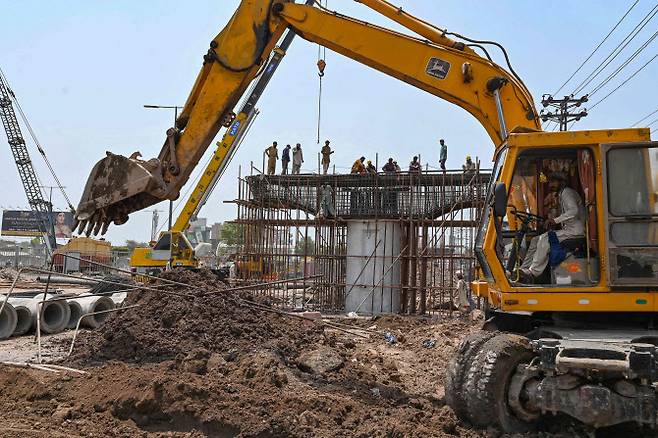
point(438, 68)
point(234, 128)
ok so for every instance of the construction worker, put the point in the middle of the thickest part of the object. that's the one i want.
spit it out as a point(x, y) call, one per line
point(358, 166)
point(414, 166)
point(326, 208)
point(397, 167)
point(285, 159)
point(326, 156)
point(443, 154)
point(272, 155)
point(370, 168)
point(389, 167)
point(469, 166)
point(461, 295)
point(297, 159)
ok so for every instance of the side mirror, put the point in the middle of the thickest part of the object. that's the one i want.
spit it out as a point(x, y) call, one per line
point(500, 200)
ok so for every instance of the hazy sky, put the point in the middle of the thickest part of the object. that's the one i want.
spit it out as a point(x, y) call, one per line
point(84, 69)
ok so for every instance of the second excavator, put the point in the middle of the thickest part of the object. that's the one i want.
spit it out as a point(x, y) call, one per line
point(569, 334)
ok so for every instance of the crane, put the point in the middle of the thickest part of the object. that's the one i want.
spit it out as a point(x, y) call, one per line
point(576, 335)
point(26, 172)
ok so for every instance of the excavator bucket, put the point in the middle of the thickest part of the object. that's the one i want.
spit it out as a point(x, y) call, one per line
point(118, 186)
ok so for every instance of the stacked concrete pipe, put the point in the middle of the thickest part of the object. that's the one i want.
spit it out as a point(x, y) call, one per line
point(76, 313)
point(8, 320)
point(90, 304)
point(55, 315)
point(23, 320)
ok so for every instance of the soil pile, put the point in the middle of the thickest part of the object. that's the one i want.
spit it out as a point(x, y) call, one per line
point(212, 366)
point(167, 326)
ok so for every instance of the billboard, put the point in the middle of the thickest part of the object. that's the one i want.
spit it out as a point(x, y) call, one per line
point(26, 223)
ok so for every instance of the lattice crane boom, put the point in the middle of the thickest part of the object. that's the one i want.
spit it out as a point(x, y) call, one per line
point(24, 165)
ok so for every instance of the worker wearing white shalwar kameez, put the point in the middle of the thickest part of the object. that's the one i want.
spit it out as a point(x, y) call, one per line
point(571, 218)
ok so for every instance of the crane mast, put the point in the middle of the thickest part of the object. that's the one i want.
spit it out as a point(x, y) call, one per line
point(26, 171)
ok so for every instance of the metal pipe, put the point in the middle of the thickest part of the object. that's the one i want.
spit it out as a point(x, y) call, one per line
point(68, 280)
point(501, 115)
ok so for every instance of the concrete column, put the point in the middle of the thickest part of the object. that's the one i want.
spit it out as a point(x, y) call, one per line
point(373, 270)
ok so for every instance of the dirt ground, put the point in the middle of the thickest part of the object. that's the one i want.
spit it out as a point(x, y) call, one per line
point(221, 366)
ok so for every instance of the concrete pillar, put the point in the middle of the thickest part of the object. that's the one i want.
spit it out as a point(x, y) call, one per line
point(373, 270)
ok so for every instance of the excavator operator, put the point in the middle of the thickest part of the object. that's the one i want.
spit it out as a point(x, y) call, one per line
point(572, 223)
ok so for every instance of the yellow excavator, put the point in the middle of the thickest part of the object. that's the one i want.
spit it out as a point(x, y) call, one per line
point(576, 336)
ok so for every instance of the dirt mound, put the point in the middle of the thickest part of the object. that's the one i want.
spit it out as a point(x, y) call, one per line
point(169, 326)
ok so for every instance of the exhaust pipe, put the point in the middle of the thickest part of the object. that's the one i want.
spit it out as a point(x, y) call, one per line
point(7, 321)
point(23, 320)
point(55, 315)
point(90, 304)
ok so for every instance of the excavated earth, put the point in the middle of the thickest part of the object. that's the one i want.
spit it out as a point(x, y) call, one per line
point(220, 366)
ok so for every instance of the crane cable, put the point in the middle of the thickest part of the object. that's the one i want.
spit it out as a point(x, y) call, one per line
point(36, 142)
point(322, 64)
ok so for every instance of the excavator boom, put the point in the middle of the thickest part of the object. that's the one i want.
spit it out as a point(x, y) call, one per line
point(439, 65)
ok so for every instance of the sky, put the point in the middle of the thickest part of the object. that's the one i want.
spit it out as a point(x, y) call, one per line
point(83, 70)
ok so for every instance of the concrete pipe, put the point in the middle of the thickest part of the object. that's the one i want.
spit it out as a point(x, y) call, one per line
point(91, 304)
point(23, 320)
point(7, 321)
point(66, 280)
point(54, 314)
point(76, 313)
point(119, 298)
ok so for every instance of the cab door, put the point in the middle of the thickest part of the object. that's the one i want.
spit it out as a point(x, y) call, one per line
point(630, 184)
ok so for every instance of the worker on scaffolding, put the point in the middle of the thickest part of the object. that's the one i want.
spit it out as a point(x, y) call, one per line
point(469, 166)
point(414, 166)
point(326, 156)
point(272, 155)
point(443, 154)
point(358, 167)
point(326, 208)
point(389, 167)
point(371, 169)
point(285, 159)
point(297, 159)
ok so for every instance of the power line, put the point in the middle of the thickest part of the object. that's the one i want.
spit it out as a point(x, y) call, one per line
point(623, 65)
point(624, 83)
point(645, 117)
point(596, 48)
point(617, 50)
point(651, 122)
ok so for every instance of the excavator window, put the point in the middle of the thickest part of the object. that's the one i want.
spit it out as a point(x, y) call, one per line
point(632, 231)
point(570, 260)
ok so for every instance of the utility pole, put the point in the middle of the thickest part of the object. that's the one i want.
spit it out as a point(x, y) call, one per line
point(563, 108)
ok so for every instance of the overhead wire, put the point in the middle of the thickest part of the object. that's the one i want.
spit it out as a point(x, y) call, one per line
point(624, 82)
point(652, 122)
point(597, 47)
point(645, 117)
point(617, 50)
point(623, 65)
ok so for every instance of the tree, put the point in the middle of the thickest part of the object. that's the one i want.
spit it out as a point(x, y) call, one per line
point(305, 246)
point(232, 234)
point(132, 244)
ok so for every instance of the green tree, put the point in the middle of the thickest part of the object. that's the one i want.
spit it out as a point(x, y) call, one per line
point(232, 234)
point(305, 246)
point(132, 244)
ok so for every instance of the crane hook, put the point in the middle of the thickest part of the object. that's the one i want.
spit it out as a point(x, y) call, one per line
point(321, 66)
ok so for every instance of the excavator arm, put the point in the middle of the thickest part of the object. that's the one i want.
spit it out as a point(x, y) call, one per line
point(439, 65)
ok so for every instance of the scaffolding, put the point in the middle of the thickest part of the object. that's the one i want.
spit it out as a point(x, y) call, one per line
point(387, 238)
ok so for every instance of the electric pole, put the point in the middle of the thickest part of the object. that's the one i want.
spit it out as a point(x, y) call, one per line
point(562, 112)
